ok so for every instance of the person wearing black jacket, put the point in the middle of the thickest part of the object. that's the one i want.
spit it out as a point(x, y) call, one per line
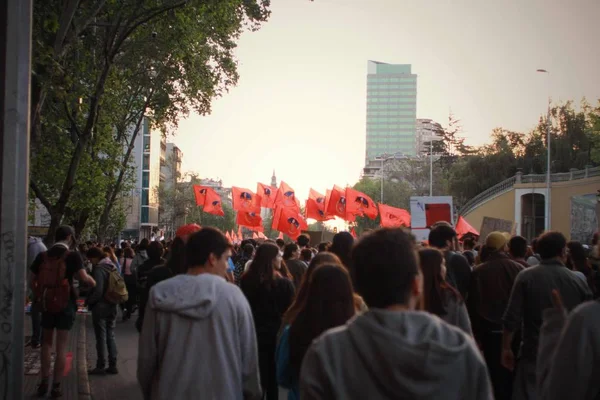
point(443, 238)
point(155, 253)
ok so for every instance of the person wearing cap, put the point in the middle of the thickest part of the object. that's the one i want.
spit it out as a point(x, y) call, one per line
point(531, 295)
point(63, 321)
point(491, 285)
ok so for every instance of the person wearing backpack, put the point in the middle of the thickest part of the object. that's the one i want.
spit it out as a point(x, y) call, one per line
point(109, 292)
point(52, 274)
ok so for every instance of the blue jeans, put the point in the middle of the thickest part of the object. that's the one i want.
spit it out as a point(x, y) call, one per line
point(104, 329)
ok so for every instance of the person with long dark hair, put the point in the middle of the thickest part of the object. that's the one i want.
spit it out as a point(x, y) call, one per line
point(342, 247)
point(439, 298)
point(291, 258)
point(130, 282)
point(269, 296)
point(329, 303)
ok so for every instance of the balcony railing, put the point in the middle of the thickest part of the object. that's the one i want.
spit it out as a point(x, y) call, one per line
point(508, 184)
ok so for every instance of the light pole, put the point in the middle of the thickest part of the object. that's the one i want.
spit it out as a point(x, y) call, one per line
point(548, 171)
point(382, 158)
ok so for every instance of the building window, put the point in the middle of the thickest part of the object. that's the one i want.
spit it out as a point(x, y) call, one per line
point(145, 179)
point(145, 215)
point(145, 197)
point(146, 161)
point(146, 126)
point(146, 143)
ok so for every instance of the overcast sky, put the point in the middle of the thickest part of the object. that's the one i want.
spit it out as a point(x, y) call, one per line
point(300, 105)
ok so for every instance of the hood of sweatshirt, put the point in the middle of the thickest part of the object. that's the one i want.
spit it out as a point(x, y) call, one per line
point(187, 295)
point(408, 352)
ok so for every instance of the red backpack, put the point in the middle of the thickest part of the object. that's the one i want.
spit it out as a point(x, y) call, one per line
point(52, 288)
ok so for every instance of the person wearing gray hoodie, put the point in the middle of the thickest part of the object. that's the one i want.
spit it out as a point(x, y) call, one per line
point(393, 351)
point(198, 338)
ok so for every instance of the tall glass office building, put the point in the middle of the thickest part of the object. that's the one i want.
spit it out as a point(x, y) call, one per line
point(391, 110)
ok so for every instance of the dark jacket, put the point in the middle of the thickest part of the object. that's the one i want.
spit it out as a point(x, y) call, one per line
point(491, 284)
point(95, 301)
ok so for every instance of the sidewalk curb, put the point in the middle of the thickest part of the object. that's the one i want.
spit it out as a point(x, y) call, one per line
point(83, 381)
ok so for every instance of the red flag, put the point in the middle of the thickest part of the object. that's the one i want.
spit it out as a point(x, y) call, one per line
point(358, 203)
point(353, 233)
point(315, 206)
point(250, 220)
point(200, 194)
point(437, 212)
point(267, 194)
point(392, 217)
point(337, 203)
point(286, 197)
point(244, 199)
point(212, 203)
point(276, 215)
point(463, 227)
point(291, 223)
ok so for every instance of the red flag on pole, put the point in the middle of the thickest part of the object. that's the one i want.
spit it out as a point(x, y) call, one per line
point(200, 194)
point(315, 206)
point(463, 227)
point(358, 203)
point(337, 204)
point(212, 203)
point(291, 223)
point(250, 220)
point(392, 217)
point(244, 199)
point(353, 233)
point(267, 194)
point(286, 197)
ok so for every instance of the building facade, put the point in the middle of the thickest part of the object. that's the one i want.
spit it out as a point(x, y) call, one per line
point(142, 203)
point(391, 110)
point(427, 129)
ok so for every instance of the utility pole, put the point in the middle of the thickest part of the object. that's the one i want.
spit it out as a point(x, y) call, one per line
point(15, 68)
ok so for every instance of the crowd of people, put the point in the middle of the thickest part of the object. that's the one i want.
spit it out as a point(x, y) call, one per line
point(381, 316)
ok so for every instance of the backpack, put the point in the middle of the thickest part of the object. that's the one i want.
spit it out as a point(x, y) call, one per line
point(116, 291)
point(52, 288)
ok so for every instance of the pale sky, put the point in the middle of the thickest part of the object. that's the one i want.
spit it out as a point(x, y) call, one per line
point(300, 104)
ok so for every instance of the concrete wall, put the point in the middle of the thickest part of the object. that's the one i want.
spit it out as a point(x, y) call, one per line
point(502, 207)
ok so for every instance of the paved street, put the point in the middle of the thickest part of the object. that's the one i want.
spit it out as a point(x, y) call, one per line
point(124, 385)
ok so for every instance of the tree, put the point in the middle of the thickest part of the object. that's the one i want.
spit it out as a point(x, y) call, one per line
point(169, 57)
point(396, 194)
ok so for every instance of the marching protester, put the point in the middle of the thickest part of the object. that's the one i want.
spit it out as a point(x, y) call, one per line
point(578, 262)
point(489, 293)
point(439, 298)
point(52, 281)
point(269, 296)
point(104, 312)
point(517, 249)
point(531, 295)
point(176, 360)
point(291, 258)
point(380, 353)
point(240, 264)
point(155, 252)
point(130, 282)
point(443, 237)
point(341, 246)
point(329, 303)
point(35, 246)
point(568, 361)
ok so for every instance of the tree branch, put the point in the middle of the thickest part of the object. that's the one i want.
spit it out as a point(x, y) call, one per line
point(38, 193)
point(71, 119)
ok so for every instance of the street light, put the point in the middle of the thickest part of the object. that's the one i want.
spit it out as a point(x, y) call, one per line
point(431, 139)
point(548, 172)
point(382, 157)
